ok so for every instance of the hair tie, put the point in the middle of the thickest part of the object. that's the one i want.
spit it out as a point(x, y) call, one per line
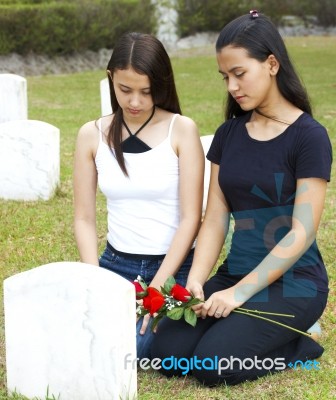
point(254, 14)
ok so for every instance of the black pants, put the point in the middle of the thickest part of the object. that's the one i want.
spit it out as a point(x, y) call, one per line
point(243, 337)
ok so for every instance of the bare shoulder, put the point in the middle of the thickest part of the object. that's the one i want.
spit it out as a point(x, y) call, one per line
point(185, 136)
point(186, 122)
point(90, 131)
point(185, 127)
point(88, 138)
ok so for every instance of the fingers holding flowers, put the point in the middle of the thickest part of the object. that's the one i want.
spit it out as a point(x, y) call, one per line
point(146, 322)
point(196, 290)
point(173, 301)
point(220, 304)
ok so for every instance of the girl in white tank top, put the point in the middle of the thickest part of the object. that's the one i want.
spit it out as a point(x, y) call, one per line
point(148, 161)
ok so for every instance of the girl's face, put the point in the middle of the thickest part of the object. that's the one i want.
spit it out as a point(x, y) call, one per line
point(250, 82)
point(133, 93)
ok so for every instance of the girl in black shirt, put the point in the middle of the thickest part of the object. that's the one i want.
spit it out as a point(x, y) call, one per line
point(271, 162)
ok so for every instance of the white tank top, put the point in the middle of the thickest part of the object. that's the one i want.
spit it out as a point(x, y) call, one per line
point(143, 208)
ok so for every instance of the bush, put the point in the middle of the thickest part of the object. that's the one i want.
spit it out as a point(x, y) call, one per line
point(66, 27)
point(200, 16)
point(12, 2)
point(326, 12)
point(61, 27)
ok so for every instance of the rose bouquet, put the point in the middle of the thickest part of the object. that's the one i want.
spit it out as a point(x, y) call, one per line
point(173, 301)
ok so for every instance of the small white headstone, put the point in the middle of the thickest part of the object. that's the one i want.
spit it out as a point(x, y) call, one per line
point(105, 98)
point(69, 327)
point(29, 160)
point(206, 141)
point(13, 98)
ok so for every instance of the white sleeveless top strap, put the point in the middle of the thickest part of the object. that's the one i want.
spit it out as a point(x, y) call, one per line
point(171, 126)
point(100, 130)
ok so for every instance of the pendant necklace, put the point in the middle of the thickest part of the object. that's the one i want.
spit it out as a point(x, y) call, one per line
point(272, 118)
point(141, 127)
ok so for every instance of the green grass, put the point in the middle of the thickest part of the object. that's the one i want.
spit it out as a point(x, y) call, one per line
point(36, 233)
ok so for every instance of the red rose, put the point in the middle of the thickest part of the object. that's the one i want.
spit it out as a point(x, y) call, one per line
point(153, 301)
point(139, 290)
point(180, 293)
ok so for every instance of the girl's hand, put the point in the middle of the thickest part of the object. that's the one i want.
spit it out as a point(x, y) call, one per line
point(196, 289)
point(145, 323)
point(220, 304)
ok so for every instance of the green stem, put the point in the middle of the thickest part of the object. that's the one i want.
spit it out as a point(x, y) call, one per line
point(265, 312)
point(274, 322)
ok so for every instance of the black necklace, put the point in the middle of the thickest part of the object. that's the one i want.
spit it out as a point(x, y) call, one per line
point(141, 127)
point(272, 118)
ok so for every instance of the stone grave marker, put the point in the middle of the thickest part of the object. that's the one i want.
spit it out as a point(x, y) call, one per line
point(29, 160)
point(206, 141)
point(68, 328)
point(13, 98)
point(105, 99)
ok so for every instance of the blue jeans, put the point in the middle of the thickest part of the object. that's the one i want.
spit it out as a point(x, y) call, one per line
point(129, 269)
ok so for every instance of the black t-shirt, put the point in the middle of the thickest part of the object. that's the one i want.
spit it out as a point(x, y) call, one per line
point(258, 179)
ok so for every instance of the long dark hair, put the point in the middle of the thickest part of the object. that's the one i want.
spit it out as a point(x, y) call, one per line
point(260, 38)
point(146, 55)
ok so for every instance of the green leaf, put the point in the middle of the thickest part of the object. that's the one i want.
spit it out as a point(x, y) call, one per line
point(190, 316)
point(164, 291)
point(156, 320)
point(143, 284)
point(170, 282)
point(194, 301)
point(175, 313)
point(141, 295)
point(141, 311)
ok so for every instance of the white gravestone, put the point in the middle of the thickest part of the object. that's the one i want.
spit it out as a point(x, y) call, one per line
point(29, 160)
point(206, 141)
point(69, 327)
point(13, 98)
point(105, 98)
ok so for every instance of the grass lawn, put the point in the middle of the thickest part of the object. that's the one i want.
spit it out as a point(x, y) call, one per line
point(37, 233)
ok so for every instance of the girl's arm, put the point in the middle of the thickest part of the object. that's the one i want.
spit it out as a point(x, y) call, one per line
point(308, 208)
point(211, 237)
point(85, 186)
point(188, 147)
